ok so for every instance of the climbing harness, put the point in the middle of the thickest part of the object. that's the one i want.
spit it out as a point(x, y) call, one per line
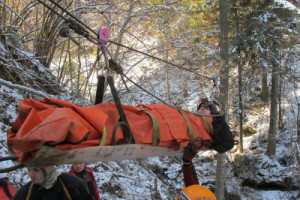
point(62, 184)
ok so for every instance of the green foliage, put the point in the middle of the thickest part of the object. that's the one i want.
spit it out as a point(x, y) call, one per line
point(156, 2)
point(200, 14)
point(248, 130)
point(200, 17)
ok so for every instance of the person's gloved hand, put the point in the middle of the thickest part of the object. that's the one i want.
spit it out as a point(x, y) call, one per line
point(192, 149)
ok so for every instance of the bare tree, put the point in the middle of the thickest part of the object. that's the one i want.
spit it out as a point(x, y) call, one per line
point(271, 149)
point(298, 147)
point(224, 79)
point(240, 76)
point(264, 88)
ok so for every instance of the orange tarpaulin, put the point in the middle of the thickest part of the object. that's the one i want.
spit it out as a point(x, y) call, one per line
point(66, 126)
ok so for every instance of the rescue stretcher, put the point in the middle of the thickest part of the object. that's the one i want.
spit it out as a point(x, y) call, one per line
point(51, 131)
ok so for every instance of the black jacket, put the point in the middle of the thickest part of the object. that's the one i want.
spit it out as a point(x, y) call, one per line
point(222, 137)
point(76, 187)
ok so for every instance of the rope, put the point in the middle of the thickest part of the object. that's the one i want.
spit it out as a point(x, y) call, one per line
point(52, 9)
point(119, 70)
point(89, 37)
point(160, 59)
point(65, 32)
point(123, 118)
point(199, 115)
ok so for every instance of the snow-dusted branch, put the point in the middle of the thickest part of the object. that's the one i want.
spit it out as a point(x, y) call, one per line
point(26, 89)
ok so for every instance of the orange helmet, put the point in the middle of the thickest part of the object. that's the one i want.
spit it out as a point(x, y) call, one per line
point(195, 192)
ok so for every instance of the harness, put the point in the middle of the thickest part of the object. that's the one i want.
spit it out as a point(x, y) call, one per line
point(63, 186)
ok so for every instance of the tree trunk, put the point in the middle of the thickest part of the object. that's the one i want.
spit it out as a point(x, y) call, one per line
point(280, 106)
point(240, 83)
point(298, 148)
point(224, 76)
point(240, 107)
point(271, 149)
point(167, 78)
point(264, 86)
point(220, 176)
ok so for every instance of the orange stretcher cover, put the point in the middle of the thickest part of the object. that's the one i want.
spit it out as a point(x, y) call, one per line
point(64, 125)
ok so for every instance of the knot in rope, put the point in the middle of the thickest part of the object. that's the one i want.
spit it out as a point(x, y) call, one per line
point(64, 31)
point(115, 66)
point(77, 28)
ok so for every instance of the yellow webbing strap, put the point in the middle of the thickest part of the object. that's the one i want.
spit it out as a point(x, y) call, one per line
point(191, 131)
point(29, 191)
point(156, 132)
point(208, 126)
point(63, 185)
point(103, 138)
point(66, 190)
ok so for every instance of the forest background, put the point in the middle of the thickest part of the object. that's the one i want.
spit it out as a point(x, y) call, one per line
point(177, 51)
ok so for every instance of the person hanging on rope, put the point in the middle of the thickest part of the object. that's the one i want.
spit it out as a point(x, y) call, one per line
point(48, 184)
point(86, 173)
point(223, 139)
point(221, 131)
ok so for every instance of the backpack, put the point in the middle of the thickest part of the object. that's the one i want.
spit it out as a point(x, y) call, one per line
point(7, 191)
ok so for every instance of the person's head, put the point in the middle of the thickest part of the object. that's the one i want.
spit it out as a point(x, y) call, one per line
point(78, 167)
point(39, 174)
point(195, 192)
point(207, 108)
point(204, 110)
